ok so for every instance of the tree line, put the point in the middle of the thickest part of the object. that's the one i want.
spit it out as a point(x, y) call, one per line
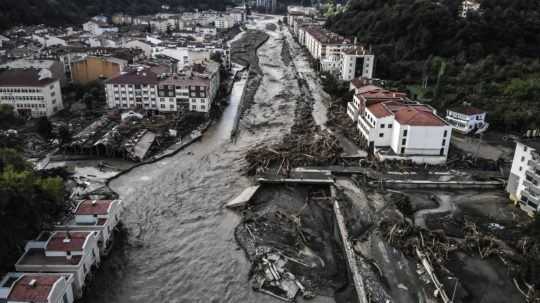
point(490, 58)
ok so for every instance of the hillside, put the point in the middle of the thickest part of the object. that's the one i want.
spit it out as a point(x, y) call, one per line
point(57, 12)
point(489, 59)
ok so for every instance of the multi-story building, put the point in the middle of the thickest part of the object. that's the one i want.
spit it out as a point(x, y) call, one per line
point(96, 215)
point(524, 180)
point(469, 6)
point(466, 119)
point(396, 128)
point(193, 89)
point(18, 287)
point(31, 92)
point(76, 253)
point(356, 62)
point(98, 28)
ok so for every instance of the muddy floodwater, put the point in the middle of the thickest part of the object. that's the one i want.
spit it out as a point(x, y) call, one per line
point(180, 245)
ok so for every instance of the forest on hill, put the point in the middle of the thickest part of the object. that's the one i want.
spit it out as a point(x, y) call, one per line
point(59, 12)
point(489, 59)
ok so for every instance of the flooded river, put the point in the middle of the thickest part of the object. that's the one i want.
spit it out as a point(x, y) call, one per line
point(180, 245)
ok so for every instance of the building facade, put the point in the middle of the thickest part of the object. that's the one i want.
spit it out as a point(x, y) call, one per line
point(524, 180)
point(466, 119)
point(31, 93)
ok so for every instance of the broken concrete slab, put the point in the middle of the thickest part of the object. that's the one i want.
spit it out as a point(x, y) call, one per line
point(243, 198)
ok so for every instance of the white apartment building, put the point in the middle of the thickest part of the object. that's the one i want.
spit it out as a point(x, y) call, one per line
point(192, 90)
point(76, 253)
point(224, 22)
point(96, 215)
point(524, 180)
point(98, 28)
point(466, 119)
point(396, 128)
point(469, 6)
point(18, 287)
point(356, 62)
point(31, 92)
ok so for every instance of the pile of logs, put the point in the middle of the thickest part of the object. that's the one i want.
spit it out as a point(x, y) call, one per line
point(295, 151)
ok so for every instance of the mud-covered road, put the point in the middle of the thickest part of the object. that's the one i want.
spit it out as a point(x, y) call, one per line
point(180, 245)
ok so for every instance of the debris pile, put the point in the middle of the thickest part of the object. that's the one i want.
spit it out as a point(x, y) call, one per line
point(306, 145)
point(291, 241)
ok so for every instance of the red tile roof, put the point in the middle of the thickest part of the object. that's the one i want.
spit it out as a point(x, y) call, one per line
point(38, 293)
point(76, 241)
point(23, 77)
point(362, 89)
point(379, 110)
point(93, 207)
point(418, 116)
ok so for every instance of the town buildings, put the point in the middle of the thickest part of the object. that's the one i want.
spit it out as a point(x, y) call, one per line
point(76, 253)
point(31, 92)
point(524, 180)
point(334, 53)
point(101, 216)
point(466, 119)
point(16, 287)
point(394, 127)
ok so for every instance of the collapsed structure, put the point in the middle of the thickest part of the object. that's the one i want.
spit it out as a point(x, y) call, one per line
point(524, 180)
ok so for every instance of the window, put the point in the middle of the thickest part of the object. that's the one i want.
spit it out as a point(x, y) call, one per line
point(381, 135)
point(443, 142)
point(403, 141)
point(524, 148)
point(402, 150)
point(162, 105)
point(389, 125)
point(405, 133)
point(520, 168)
point(445, 134)
point(441, 152)
point(382, 125)
point(522, 158)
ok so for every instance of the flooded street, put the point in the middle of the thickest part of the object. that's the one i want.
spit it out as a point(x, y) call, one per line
point(180, 245)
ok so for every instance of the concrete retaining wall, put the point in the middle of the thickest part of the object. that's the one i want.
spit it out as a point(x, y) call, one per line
point(427, 184)
point(349, 252)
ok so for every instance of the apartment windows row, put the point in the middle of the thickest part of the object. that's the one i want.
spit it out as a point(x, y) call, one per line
point(20, 90)
point(22, 98)
point(29, 105)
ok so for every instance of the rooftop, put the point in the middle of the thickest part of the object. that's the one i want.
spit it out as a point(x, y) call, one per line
point(467, 110)
point(67, 241)
point(531, 142)
point(326, 37)
point(33, 288)
point(418, 116)
point(136, 77)
point(93, 207)
point(23, 77)
point(37, 257)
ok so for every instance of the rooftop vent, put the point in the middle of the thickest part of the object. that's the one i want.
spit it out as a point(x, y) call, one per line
point(32, 283)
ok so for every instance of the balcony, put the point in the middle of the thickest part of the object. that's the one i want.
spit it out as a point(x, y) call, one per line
point(534, 175)
point(534, 164)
